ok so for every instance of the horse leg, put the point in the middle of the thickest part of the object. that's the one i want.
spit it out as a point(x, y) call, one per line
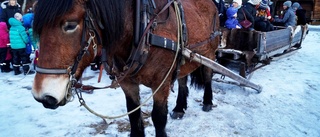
point(160, 110)
point(131, 91)
point(207, 96)
point(181, 103)
point(201, 79)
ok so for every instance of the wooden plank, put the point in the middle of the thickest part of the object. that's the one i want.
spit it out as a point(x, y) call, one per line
point(316, 10)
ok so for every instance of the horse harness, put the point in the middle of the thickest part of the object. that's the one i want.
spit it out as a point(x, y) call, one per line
point(145, 22)
point(143, 39)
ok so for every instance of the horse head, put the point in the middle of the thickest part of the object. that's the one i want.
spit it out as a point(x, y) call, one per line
point(69, 33)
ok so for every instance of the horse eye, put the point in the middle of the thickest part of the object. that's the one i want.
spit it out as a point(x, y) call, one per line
point(70, 26)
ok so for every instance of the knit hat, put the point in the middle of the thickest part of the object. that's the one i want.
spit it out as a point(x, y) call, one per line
point(238, 1)
point(254, 2)
point(263, 4)
point(18, 16)
point(231, 12)
point(295, 5)
point(287, 3)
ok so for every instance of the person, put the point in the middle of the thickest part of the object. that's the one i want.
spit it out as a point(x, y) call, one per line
point(300, 13)
point(242, 13)
point(263, 15)
point(18, 40)
point(9, 9)
point(222, 11)
point(271, 7)
point(5, 55)
point(251, 7)
point(27, 23)
point(232, 21)
point(288, 17)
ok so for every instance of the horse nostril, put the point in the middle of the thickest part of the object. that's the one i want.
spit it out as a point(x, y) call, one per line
point(50, 102)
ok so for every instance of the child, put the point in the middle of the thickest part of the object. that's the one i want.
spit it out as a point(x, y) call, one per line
point(18, 40)
point(34, 40)
point(232, 21)
point(263, 17)
point(4, 49)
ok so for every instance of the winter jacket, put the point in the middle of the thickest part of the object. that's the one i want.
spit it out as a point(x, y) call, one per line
point(4, 36)
point(301, 14)
point(34, 40)
point(232, 22)
point(241, 17)
point(253, 12)
point(289, 18)
point(17, 34)
point(27, 23)
point(27, 20)
point(8, 12)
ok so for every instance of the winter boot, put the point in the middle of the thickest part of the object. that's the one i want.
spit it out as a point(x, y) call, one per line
point(5, 67)
point(2, 68)
point(16, 70)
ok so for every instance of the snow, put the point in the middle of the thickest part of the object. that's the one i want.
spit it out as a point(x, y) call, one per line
point(287, 106)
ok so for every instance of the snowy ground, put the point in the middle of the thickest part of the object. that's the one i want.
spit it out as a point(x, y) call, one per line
point(289, 105)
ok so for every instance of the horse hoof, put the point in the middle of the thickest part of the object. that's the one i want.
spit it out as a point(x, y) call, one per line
point(176, 115)
point(207, 108)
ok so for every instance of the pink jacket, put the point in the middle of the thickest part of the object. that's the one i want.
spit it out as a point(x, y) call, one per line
point(4, 36)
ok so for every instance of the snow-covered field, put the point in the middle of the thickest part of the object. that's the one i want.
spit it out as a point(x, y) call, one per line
point(289, 105)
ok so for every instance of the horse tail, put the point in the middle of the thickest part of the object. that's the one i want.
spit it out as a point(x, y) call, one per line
point(198, 78)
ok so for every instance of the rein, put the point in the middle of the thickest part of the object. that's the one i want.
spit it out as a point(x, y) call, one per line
point(79, 94)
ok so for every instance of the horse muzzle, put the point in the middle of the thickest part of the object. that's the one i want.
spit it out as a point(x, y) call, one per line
point(51, 102)
point(52, 91)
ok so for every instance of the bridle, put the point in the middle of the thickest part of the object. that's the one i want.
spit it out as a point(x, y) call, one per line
point(89, 28)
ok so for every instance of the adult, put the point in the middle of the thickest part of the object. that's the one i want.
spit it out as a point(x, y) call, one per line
point(222, 11)
point(289, 18)
point(300, 13)
point(10, 8)
point(271, 7)
point(250, 6)
point(242, 13)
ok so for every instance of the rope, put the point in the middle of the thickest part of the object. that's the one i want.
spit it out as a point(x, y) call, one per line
point(82, 102)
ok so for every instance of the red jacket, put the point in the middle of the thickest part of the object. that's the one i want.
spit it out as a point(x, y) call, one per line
point(4, 36)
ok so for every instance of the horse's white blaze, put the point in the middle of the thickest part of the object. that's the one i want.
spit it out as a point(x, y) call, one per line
point(52, 86)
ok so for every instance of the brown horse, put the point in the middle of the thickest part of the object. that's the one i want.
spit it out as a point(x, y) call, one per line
point(69, 31)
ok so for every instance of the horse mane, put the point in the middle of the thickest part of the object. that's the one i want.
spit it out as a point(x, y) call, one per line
point(47, 10)
point(111, 15)
point(109, 12)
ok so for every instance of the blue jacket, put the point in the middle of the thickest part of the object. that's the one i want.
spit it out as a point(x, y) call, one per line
point(27, 20)
point(17, 34)
point(232, 22)
point(289, 18)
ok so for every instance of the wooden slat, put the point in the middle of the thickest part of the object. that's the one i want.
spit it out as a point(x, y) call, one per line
point(316, 10)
